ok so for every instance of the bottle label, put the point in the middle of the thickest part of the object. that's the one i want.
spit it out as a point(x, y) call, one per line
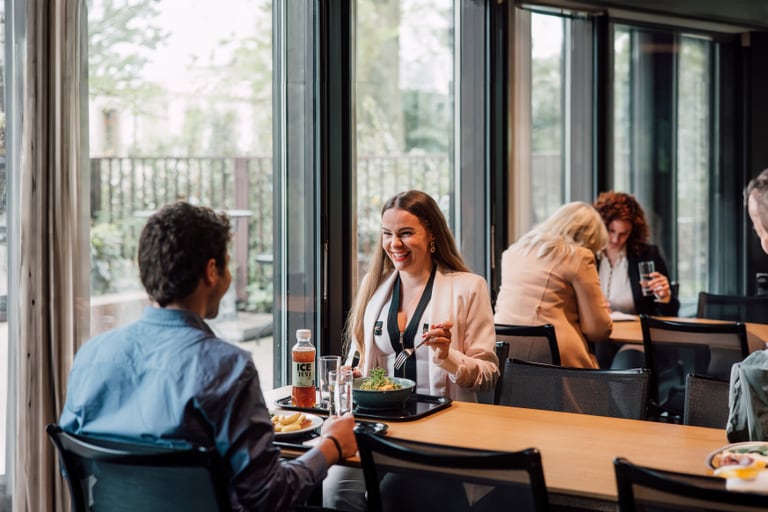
point(303, 373)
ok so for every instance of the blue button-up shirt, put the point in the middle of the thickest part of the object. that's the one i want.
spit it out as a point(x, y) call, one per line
point(167, 378)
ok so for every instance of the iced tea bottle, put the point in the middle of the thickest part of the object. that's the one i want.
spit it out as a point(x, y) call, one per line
point(303, 361)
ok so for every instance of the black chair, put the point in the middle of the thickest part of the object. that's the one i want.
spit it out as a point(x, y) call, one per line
point(733, 308)
point(706, 401)
point(641, 488)
point(616, 393)
point(530, 342)
point(423, 476)
point(492, 397)
point(674, 349)
point(116, 476)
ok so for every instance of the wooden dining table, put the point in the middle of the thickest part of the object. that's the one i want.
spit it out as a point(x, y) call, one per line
point(577, 450)
point(629, 331)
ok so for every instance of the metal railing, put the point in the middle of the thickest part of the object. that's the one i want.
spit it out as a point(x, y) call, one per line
point(121, 187)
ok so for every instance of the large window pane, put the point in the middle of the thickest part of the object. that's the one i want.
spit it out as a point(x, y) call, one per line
point(562, 111)
point(694, 163)
point(663, 143)
point(622, 103)
point(181, 108)
point(404, 102)
point(547, 119)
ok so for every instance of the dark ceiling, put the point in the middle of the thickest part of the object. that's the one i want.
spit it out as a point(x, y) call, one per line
point(751, 14)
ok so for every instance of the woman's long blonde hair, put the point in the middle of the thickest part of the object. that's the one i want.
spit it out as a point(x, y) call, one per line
point(446, 255)
point(575, 224)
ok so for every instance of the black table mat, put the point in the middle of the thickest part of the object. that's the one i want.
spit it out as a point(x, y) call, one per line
point(417, 406)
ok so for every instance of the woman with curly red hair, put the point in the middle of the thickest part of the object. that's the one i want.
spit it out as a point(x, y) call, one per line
point(627, 245)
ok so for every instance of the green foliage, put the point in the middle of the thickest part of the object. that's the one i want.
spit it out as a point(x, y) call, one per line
point(121, 38)
point(260, 297)
point(428, 121)
point(108, 265)
point(546, 104)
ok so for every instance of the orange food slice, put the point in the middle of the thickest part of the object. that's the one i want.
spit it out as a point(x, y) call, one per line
point(742, 472)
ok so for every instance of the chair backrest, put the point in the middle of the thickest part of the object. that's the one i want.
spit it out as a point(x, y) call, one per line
point(530, 342)
point(706, 401)
point(674, 349)
point(616, 393)
point(492, 397)
point(734, 308)
point(117, 476)
point(641, 488)
point(428, 475)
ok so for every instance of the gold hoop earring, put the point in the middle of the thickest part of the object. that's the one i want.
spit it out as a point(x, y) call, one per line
point(432, 246)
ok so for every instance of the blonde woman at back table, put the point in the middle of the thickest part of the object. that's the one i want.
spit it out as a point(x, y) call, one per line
point(549, 276)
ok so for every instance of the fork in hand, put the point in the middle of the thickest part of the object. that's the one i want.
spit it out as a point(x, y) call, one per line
point(405, 354)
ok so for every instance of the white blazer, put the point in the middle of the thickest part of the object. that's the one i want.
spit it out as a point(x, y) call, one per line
point(471, 365)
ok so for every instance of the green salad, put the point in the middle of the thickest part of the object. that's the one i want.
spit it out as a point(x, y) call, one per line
point(378, 381)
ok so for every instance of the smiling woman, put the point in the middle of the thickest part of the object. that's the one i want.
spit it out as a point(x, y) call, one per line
point(417, 272)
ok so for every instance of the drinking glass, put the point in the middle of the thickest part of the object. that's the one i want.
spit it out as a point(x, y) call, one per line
point(326, 364)
point(333, 389)
point(344, 390)
point(646, 268)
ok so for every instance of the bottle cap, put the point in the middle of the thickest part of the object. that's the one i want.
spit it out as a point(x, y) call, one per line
point(303, 334)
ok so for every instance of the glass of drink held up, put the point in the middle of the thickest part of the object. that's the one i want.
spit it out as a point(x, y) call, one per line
point(646, 268)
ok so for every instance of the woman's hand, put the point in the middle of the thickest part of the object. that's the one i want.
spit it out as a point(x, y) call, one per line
point(356, 373)
point(439, 338)
point(660, 286)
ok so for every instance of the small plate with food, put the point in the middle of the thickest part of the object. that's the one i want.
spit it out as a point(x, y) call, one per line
point(746, 456)
point(287, 424)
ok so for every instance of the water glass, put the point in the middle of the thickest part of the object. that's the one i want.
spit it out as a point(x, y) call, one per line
point(326, 364)
point(646, 268)
point(333, 388)
point(344, 391)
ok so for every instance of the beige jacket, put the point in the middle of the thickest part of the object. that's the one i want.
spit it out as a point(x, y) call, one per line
point(563, 293)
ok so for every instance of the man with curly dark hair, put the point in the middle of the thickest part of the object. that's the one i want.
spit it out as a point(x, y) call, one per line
point(167, 378)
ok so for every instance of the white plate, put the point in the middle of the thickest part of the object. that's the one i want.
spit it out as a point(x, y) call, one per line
point(314, 422)
point(745, 447)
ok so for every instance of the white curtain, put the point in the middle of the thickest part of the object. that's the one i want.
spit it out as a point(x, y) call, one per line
point(53, 258)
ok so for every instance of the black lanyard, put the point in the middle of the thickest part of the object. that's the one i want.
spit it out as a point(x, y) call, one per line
point(408, 370)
